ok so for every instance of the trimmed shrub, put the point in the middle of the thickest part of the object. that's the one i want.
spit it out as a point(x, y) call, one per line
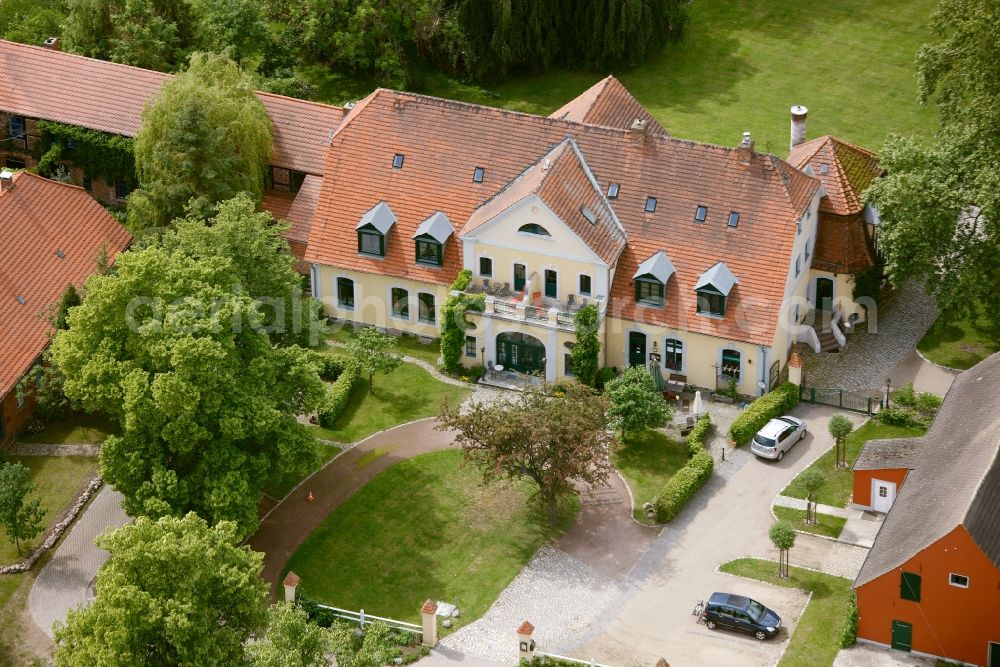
point(696, 438)
point(682, 486)
point(329, 366)
point(849, 633)
point(337, 395)
point(905, 396)
point(897, 417)
point(928, 402)
point(603, 376)
point(764, 409)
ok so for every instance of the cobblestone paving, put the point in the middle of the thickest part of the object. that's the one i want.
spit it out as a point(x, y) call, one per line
point(868, 357)
point(39, 449)
point(65, 582)
point(557, 593)
point(844, 560)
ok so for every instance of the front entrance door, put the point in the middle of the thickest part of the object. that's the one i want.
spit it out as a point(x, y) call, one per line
point(521, 353)
point(824, 294)
point(902, 635)
point(636, 349)
point(551, 284)
point(518, 277)
point(993, 658)
point(883, 493)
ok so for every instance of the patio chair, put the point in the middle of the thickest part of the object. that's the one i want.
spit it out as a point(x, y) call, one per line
point(571, 303)
point(505, 290)
point(486, 286)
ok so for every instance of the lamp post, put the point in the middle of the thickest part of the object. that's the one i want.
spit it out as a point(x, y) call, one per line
point(888, 387)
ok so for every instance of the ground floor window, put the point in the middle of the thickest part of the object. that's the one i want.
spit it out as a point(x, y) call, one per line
point(486, 267)
point(400, 303)
point(731, 364)
point(470, 346)
point(345, 292)
point(568, 363)
point(673, 354)
point(426, 313)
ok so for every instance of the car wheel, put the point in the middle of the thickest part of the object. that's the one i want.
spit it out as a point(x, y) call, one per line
point(710, 625)
point(760, 635)
point(781, 455)
point(803, 434)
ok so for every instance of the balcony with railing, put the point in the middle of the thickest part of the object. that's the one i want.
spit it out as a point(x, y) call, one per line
point(545, 311)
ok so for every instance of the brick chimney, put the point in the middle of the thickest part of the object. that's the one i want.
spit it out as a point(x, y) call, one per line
point(798, 134)
point(637, 132)
point(52, 43)
point(745, 149)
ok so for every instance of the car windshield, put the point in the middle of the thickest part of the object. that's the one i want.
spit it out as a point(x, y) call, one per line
point(762, 441)
point(756, 610)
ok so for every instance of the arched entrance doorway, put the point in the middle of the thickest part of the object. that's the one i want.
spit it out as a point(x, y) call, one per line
point(824, 294)
point(520, 352)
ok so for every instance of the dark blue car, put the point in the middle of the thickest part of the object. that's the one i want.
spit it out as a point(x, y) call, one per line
point(737, 612)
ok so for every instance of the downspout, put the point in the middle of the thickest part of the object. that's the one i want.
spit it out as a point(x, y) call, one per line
point(763, 371)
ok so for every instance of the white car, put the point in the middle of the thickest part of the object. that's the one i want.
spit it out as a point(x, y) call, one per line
point(777, 437)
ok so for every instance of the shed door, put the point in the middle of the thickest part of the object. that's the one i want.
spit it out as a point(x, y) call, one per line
point(993, 660)
point(902, 635)
point(883, 493)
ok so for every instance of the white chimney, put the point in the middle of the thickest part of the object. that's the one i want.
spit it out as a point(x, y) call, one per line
point(6, 180)
point(798, 126)
point(745, 149)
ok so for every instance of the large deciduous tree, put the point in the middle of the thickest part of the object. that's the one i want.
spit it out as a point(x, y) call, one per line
point(20, 516)
point(207, 404)
point(261, 264)
point(175, 591)
point(206, 137)
point(551, 438)
point(940, 202)
point(290, 640)
point(635, 404)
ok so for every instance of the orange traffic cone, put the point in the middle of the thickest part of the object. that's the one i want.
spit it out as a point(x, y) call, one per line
point(310, 497)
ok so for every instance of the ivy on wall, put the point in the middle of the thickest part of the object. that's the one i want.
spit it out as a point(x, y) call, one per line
point(453, 322)
point(109, 156)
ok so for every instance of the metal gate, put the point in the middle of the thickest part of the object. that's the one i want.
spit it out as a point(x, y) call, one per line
point(772, 376)
point(840, 398)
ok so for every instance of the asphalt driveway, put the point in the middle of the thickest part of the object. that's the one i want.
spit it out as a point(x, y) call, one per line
point(728, 519)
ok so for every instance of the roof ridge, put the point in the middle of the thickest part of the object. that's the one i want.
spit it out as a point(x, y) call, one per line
point(46, 180)
point(67, 54)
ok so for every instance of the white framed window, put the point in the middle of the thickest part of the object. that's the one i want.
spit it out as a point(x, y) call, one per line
point(958, 580)
point(400, 299)
point(798, 265)
point(486, 267)
point(585, 285)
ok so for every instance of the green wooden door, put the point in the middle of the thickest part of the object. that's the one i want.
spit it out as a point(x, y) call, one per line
point(993, 659)
point(518, 277)
point(523, 354)
point(902, 635)
point(551, 284)
point(636, 349)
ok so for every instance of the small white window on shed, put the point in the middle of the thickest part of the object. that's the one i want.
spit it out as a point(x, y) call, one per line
point(959, 580)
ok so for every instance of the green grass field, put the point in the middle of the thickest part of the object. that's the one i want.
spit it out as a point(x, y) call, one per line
point(839, 483)
point(406, 345)
point(437, 533)
point(960, 342)
point(740, 67)
point(60, 480)
point(816, 640)
point(828, 526)
point(647, 461)
point(406, 394)
point(75, 428)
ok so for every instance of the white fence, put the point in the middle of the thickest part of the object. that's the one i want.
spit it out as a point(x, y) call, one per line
point(564, 658)
point(362, 619)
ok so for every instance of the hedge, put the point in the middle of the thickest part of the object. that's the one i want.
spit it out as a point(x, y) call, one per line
point(682, 486)
point(330, 366)
point(764, 409)
point(337, 395)
point(849, 631)
point(696, 438)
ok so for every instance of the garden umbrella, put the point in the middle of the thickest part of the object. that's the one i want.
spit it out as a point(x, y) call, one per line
point(699, 406)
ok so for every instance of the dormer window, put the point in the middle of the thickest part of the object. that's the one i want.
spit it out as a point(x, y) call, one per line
point(430, 238)
point(713, 288)
point(532, 228)
point(734, 219)
point(612, 190)
point(700, 214)
point(373, 229)
point(478, 174)
point(397, 161)
point(650, 204)
point(651, 280)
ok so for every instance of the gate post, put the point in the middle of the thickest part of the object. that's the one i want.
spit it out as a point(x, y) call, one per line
point(795, 369)
point(290, 583)
point(526, 645)
point(840, 398)
point(428, 615)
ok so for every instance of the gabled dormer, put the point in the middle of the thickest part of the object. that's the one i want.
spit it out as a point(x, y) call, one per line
point(430, 237)
point(651, 280)
point(373, 230)
point(713, 288)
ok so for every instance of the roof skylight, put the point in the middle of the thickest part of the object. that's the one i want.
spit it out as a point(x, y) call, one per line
point(824, 168)
point(650, 204)
point(700, 214)
point(477, 175)
point(590, 216)
point(734, 218)
point(397, 161)
point(612, 190)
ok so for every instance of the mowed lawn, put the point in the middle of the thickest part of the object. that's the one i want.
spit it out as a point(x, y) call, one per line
point(816, 640)
point(740, 67)
point(74, 428)
point(60, 480)
point(839, 483)
point(826, 525)
point(961, 342)
point(424, 528)
point(647, 461)
point(406, 345)
point(408, 393)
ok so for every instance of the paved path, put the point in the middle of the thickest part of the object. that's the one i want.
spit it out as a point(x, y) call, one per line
point(870, 356)
point(41, 449)
point(800, 504)
point(65, 582)
point(727, 519)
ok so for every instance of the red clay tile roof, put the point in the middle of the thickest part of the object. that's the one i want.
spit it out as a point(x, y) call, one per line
point(100, 95)
point(444, 141)
point(278, 204)
point(300, 215)
point(850, 170)
point(38, 218)
point(607, 103)
point(563, 181)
